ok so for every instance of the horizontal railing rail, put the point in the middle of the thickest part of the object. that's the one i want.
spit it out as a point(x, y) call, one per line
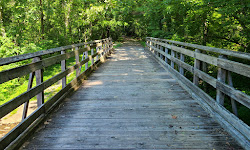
point(8, 60)
point(173, 53)
point(98, 51)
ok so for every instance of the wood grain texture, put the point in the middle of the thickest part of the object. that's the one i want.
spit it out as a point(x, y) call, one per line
point(236, 67)
point(230, 122)
point(126, 105)
point(221, 77)
point(222, 63)
point(24, 97)
point(39, 80)
point(196, 67)
point(26, 69)
point(8, 60)
point(233, 102)
point(209, 49)
point(63, 68)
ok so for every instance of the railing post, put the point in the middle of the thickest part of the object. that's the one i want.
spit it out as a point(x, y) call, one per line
point(83, 55)
point(106, 48)
point(86, 56)
point(97, 50)
point(166, 51)
point(153, 45)
point(92, 53)
point(161, 48)
point(77, 61)
point(26, 104)
point(233, 102)
point(173, 55)
point(182, 58)
point(63, 68)
point(39, 80)
point(196, 66)
point(157, 47)
point(221, 76)
point(204, 68)
point(102, 51)
point(150, 45)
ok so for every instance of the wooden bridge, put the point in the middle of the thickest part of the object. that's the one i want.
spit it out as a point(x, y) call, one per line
point(139, 99)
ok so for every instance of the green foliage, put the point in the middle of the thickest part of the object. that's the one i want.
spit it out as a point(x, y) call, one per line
point(34, 25)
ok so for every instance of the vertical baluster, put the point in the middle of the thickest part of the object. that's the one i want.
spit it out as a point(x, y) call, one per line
point(161, 48)
point(39, 80)
point(196, 66)
point(157, 47)
point(92, 53)
point(104, 48)
point(182, 58)
point(83, 54)
point(150, 45)
point(233, 102)
point(154, 47)
point(102, 51)
point(86, 56)
point(221, 76)
point(26, 104)
point(77, 61)
point(63, 68)
point(108, 46)
point(166, 51)
point(204, 68)
point(173, 55)
point(97, 50)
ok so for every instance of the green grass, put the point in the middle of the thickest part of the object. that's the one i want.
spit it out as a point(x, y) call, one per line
point(117, 44)
point(143, 43)
point(16, 87)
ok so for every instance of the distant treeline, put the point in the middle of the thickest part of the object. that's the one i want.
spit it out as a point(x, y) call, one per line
point(28, 26)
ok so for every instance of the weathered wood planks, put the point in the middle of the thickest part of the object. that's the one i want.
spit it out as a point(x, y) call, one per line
point(233, 124)
point(220, 62)
point(8, 60)
point(127, 105)
point(19, 134)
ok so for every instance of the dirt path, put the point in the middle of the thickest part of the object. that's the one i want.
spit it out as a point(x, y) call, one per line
point(11, 120)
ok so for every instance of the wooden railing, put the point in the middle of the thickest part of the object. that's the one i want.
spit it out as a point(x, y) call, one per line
point(172, 55)
point(97, 49)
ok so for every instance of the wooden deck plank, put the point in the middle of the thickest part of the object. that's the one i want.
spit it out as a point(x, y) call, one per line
point(130, 102)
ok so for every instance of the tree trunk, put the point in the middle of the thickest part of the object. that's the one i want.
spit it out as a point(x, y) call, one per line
point(204, 42)
point(42, 20)
point(2, 29)
point(67, 18)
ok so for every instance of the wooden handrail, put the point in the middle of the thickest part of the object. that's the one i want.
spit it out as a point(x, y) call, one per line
point(18, 134)
point(207, 48)
point(175, 52)
point(13, 59)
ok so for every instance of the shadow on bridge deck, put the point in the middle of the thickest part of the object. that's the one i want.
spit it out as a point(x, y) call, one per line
point(131, 102)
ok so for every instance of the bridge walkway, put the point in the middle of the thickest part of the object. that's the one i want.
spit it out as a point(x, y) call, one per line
point(131, 102)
